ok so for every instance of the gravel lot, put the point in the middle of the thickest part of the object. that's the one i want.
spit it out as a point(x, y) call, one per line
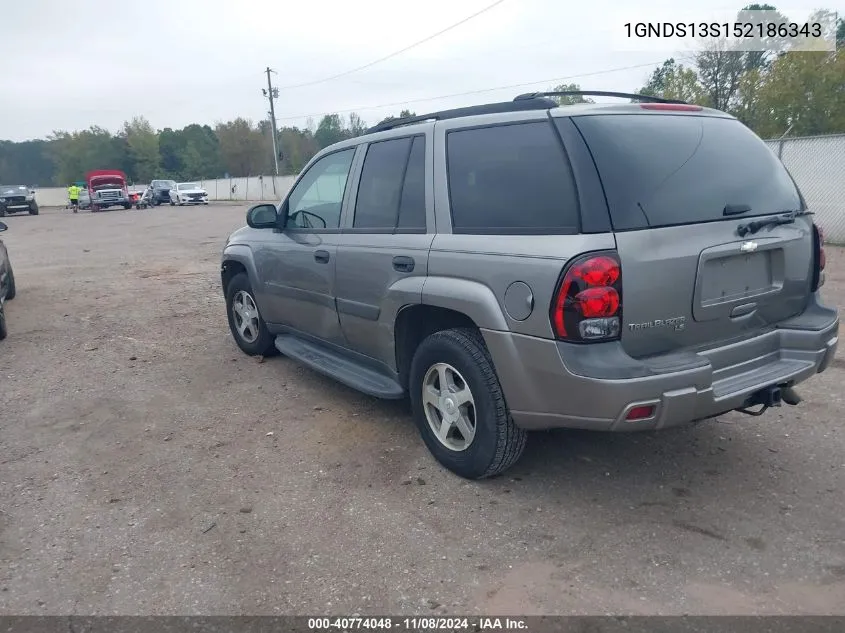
point(148, 467)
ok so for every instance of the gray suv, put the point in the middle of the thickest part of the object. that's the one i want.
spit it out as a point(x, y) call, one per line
point(520, 265)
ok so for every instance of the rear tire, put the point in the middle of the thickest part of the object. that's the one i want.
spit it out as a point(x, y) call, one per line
point(257, 340)
point(12, 291)
point(496, 443)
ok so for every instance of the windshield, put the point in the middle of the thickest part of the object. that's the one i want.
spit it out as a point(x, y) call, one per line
point(12, 188)
point(163, 183)
point(188, 185)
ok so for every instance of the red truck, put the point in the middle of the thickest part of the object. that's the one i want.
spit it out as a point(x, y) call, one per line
point(107, 188)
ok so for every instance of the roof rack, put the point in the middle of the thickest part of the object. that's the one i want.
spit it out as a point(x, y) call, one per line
point(595, 93)
point(517, 105)
point(527, 101)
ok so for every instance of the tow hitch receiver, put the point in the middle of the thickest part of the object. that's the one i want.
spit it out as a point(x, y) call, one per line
point(770, 397)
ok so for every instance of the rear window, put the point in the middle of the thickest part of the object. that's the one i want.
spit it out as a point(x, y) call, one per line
point(667, 170)
point(510, 179)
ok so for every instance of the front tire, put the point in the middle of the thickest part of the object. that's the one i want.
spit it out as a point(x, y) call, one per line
point(4, 332)
point(246, 324)
point(459, 408)
point(33, 210)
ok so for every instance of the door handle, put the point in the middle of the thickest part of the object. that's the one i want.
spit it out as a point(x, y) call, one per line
point(322, 256)
point(403, 264)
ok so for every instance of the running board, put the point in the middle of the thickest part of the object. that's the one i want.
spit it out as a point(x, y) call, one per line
point(340, 367)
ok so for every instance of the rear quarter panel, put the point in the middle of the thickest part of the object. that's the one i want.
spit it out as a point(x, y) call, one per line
point(472, 274)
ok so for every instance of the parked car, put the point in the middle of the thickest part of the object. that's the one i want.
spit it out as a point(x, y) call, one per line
point(84, 199)
point(7, 283)
point(16, 199)
point(524, 265)
point(188, 193)
point(161, 191)
point(107, 188)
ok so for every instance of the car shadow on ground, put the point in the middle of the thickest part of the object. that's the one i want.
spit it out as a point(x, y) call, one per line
point(638, 469)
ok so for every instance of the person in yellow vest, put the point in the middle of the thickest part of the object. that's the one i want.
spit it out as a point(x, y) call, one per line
point(73, 196)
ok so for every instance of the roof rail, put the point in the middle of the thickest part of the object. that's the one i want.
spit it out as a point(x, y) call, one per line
point(595, 93)
point(517, 105)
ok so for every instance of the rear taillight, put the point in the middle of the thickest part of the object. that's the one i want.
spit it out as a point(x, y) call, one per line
point(587, 306)
point(818, 257)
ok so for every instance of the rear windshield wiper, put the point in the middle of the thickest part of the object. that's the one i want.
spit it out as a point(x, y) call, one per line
point(788, 217)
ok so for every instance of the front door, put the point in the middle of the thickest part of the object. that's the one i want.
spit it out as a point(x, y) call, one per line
point(297, 265)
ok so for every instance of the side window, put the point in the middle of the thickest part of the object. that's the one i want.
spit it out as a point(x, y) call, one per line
point(380, 189)
point(510, 179)
point(316, 201)
point(412, 206)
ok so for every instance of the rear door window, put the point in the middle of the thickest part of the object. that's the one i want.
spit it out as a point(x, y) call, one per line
point(510, 179)
point(380, 188)
point(669, 170)
point(391, 193)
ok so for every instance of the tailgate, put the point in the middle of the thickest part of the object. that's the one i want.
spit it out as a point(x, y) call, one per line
point(678, 187)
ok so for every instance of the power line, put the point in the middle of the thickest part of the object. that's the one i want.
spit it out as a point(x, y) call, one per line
point(471, 92)
point(394, 54)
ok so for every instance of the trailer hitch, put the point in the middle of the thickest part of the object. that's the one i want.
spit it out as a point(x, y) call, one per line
point(770, 397)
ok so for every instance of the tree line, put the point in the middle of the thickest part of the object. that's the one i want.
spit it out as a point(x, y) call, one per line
point(235, 148)
point(774, 93)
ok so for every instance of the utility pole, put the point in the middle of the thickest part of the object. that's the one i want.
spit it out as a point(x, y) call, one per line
point(272, 93)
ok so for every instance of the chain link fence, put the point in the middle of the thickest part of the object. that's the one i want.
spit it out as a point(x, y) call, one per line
point(817, 163)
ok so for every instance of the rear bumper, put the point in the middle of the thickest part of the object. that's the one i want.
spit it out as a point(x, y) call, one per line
point(557, 385)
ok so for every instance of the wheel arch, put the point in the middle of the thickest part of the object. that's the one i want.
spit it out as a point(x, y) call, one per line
point(238, 258)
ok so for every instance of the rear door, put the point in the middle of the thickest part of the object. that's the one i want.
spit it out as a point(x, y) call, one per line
point(385, 242)
point(678, 185)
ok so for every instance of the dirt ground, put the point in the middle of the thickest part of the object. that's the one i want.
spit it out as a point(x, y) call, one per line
point(148, 467)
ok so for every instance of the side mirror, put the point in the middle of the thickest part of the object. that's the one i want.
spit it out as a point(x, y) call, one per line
point(262, 216)
point(3, 227)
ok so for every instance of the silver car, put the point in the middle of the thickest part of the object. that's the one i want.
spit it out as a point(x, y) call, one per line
point(524, 265)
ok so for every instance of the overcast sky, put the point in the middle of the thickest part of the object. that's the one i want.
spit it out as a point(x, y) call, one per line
point(177, 62)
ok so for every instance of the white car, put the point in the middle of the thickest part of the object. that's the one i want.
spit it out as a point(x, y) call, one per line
point(188, 193)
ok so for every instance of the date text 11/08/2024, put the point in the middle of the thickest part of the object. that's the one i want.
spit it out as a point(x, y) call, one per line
point(430, 623)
